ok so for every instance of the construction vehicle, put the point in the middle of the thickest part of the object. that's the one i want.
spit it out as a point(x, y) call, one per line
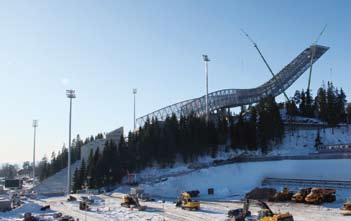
point(131, 201)
point(139, 192)
point(264, 214)
point(347, 207)
point(320, 195)
point(194, 193)
point(347, 204)
point(300, 196)
point(84, 206)
point(284, 195)
point(186, 202)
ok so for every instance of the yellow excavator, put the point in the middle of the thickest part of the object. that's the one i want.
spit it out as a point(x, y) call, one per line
point(265, 214)
point(185, 202)
point(130, 201)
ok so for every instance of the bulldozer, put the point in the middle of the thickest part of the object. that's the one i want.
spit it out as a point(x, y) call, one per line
point(319, 195)
point(185, 202)
point(300, 196)
point(284, 195)
point(264, 214)
point(131, 201)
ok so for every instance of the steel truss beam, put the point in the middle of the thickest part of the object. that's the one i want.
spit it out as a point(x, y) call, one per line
point(229, 98)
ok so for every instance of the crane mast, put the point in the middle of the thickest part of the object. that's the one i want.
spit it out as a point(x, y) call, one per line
point(313, 50)
point(264, 60)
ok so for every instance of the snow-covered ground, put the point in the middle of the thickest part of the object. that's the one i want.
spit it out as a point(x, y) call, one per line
point(109, 209)
point(56, 183)
point(230, 182)
point(18, 213)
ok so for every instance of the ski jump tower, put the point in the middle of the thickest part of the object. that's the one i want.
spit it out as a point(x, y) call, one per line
point(229, 98)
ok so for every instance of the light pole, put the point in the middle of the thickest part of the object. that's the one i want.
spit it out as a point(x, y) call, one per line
point(206, 60)
point(70, 94)
point(134, 93)
point(35, 125)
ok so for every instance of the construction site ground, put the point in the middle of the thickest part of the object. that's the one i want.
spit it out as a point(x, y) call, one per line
point(109, 209)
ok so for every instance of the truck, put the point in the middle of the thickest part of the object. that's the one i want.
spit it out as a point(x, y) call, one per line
point(320, 195)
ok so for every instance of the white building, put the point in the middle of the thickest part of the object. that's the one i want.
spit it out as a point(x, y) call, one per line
point(114, 136)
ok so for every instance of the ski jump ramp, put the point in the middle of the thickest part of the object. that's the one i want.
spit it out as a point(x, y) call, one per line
point(228, 98)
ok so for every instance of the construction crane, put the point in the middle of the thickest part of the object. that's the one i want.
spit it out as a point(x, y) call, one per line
point(313, 49)
point(264, 60)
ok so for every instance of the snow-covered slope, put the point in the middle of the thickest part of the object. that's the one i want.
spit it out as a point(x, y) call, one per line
point(56, 183)
point(301, 142)
point(237, 179)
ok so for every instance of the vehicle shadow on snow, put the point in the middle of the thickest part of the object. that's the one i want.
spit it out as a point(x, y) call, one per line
point(208, 211)
point(154, 210)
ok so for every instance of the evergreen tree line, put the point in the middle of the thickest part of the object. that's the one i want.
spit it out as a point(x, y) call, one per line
point(328, 105)
point(186, 138)
point(58, 161)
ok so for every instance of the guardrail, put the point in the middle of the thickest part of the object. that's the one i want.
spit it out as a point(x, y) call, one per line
point(307, 182)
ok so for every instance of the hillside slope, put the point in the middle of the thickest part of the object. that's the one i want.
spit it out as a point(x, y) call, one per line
point(56, 183)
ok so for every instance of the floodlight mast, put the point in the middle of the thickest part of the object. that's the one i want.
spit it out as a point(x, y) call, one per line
point(70, 94)
point(264, 60)
point(35, 125)
point(206, 60)
point(134, 93)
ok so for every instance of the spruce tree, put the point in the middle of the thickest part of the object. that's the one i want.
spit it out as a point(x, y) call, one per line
point(309, 104)
point(82, 173)
point(321, 104)
point(252, 133)
point(76, 181)
point(302, 106)
point(331, 105)
point(340, 106)
point(348, 111)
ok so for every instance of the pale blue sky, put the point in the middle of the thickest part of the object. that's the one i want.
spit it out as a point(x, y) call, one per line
point(103, 49)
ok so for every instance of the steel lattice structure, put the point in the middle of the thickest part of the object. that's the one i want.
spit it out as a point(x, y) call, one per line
point(229, 98)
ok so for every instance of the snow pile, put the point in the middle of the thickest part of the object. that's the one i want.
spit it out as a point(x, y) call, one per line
point(56, 183)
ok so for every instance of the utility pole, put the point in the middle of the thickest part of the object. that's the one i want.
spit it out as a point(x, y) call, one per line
point(35, 125)
point(70, 94)
point(134, 93)
point(206, 60)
